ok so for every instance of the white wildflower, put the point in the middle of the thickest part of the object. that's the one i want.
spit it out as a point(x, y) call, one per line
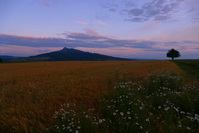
point(140, 107)
point(166, 109)
point(182, 112)
point(121, 113)
point(196, 116)
point(188, 128)
point(100, 120)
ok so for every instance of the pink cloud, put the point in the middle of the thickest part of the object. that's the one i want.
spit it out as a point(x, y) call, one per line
point(91, 32)
point(23, 36)
point(102, 23)
point(81, 22)
point(15, 50)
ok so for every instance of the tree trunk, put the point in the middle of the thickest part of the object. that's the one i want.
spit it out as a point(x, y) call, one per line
point(172, 58)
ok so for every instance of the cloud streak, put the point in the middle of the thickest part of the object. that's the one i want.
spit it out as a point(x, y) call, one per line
point(81, 22)
point(91, 23)
point(94, 42)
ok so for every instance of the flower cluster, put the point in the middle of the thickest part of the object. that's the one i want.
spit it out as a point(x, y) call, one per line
point(72, 120)
point(160, 100)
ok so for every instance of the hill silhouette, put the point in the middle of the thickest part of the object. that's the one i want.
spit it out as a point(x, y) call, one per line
point(70, 54)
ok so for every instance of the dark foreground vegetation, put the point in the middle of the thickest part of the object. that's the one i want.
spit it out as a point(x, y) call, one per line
point(191, 67)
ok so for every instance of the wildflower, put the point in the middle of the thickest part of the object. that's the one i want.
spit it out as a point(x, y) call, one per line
point(100, 120)
point(121, 113)
point(188, 128)
point(129, 118)
point(147, 119)
point(140, 107)
point(191, 118)
point(166, 109)
point(114, 113)
point(182, 112)
point(196, 116)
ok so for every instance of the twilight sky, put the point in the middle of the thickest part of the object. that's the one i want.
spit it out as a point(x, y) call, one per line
point(122, 28)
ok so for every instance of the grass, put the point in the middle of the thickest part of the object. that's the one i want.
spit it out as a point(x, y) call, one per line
point(110, 96)
point(189, 66)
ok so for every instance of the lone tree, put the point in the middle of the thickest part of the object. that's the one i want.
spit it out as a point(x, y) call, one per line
point(173, 53)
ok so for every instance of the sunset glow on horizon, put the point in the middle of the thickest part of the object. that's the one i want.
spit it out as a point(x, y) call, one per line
point(144, 29)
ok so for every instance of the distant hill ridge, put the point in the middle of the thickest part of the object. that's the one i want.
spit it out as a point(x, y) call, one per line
point(6, 57)
point(70, 54)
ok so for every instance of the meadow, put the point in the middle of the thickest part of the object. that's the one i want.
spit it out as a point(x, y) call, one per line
point(99, 96)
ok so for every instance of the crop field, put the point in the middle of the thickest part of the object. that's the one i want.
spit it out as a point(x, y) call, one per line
point(99, 97)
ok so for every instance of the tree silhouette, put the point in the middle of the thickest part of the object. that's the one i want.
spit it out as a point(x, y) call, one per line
point(173, 53)
point(1, 60)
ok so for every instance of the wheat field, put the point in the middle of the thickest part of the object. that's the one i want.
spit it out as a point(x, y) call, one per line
point(30, 93)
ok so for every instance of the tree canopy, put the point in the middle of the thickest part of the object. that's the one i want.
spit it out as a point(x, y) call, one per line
point(173, 53)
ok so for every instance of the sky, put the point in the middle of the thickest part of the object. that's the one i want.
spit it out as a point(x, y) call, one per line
point(144, 29)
